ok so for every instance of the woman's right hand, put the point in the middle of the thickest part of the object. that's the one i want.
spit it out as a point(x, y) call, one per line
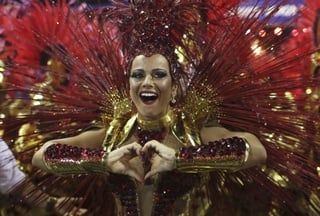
point(121, 161)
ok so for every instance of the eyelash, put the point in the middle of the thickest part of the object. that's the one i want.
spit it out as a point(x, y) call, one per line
point(156, 74)
point(137, 75)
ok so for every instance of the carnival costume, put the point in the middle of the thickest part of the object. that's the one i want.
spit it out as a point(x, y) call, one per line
point(223, 82)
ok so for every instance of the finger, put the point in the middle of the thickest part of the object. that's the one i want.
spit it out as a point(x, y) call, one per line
point(116, 155)
point(135, 147)
point(124, 168)
point(134, 174)
point(156, 147)
point(163, 151)
point(169, 155)
point(128, 151)
point(148, 152)
point(153, 144)
point(151, 173)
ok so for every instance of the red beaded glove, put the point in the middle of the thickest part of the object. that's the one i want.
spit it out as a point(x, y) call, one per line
point(65, 159)
point(225, 154)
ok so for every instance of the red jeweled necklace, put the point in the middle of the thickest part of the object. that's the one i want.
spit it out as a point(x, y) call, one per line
point(143, 136)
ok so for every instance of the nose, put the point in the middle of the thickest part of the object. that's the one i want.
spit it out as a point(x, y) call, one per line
point(147, 81)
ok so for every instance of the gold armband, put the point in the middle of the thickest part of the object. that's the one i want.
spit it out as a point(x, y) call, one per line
point(225, 154)
point(65, 159)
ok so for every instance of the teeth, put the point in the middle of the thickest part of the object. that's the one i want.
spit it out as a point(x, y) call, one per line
point(148, 94)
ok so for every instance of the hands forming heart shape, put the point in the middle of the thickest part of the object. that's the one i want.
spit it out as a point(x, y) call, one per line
point(154, 157)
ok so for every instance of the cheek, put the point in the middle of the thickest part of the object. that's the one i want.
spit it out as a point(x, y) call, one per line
point(132, 87)
point(131, 91)
point(168, 85)
point(166, 91)
point(132, 94)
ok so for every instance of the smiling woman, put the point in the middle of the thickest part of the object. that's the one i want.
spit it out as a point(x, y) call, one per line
point(151, 147)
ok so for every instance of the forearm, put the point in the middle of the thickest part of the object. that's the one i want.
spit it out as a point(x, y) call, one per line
point(225, 154)
point(65, 159)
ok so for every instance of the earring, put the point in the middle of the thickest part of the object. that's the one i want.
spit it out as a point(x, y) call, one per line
point(174, 94)
point(173, 100)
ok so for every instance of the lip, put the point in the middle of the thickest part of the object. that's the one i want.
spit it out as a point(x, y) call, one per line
point(143, 95)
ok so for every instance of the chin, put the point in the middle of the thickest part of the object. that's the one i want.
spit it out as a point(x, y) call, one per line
point(150, 115)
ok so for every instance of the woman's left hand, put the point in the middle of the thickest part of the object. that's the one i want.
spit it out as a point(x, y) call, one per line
point(162, 157)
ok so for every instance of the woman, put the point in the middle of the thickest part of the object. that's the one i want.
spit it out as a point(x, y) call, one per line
point(151, 89)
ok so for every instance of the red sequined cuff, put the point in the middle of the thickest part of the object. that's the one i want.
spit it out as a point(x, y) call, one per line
point(65, 159)
point(225, 154)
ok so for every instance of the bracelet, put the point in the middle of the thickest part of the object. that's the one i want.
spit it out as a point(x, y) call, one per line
point(65, 159)
point(226, 154)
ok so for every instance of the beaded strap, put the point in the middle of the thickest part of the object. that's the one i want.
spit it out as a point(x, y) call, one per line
point(65, 159)
point(225, 154)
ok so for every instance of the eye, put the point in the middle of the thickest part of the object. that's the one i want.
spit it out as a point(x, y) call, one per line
point(137, 74)
point(158, 74)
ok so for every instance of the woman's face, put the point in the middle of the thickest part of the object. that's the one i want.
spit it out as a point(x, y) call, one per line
point(151, 86)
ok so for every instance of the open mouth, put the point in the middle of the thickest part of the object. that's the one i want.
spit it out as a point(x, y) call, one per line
point(148, 96)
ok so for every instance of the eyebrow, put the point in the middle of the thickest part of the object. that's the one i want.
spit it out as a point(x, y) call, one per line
point(138, 69)
point(155, 69)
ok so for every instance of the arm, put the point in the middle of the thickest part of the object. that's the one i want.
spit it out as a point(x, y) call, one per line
point(89, 139)
point(233, 151)
point(72, 155)
point(222, 149)
point(257, 153)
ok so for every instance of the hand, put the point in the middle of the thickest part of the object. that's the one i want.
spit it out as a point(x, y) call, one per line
point(162, 159)
point(119, 161)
